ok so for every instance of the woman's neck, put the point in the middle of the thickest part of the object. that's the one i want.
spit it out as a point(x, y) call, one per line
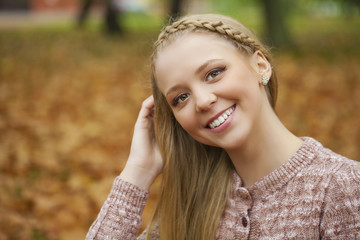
point(268, 146)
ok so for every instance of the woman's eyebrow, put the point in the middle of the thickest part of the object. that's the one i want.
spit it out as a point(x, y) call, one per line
point(172, 89)
point(205, 64)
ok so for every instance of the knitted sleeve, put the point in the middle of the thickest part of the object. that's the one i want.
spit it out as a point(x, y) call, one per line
point(341, 215)
point(120, 216)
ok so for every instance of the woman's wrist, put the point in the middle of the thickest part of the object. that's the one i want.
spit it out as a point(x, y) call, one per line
point(140, 177)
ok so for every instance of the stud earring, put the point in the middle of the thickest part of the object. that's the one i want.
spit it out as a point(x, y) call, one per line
point(265, 79)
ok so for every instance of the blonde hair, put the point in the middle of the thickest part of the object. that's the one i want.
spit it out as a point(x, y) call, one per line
point(196, 179)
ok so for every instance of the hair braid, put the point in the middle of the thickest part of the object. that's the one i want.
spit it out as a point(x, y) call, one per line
point(217, 26)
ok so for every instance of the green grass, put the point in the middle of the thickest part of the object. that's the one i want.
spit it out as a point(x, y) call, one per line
point(324, 36)
point(246, 11)
point(142, 22)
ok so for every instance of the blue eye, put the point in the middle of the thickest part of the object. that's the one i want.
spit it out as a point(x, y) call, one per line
point(180, 98)
point(214, 73)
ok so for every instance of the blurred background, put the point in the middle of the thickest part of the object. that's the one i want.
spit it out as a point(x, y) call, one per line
point(73, 74)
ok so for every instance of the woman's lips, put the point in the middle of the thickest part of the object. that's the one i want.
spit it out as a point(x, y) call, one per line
point(221, 118)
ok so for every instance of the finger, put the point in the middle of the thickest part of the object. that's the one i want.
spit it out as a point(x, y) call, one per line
point(149, 101)
point(145, 117)
point(147, 107)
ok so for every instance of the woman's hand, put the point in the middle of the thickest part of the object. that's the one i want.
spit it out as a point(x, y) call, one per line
point(144, 163)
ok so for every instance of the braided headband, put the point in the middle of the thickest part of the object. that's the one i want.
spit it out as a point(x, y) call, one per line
point(217, 26)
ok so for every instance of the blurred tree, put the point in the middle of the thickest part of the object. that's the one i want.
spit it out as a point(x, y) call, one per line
point(111, 15)
point(176, 7)
point(351, 8)
point(84, 11)
point(14, 5)
point(276, 31)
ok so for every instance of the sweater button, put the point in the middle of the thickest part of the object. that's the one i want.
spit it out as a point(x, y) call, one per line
point(244, 222)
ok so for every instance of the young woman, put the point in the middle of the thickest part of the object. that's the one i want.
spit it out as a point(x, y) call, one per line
point(230, 169)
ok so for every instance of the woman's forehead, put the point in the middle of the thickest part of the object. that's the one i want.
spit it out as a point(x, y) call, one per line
point(191, 44)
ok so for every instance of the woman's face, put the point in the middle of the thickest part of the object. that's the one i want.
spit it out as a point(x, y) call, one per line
point(212, 88)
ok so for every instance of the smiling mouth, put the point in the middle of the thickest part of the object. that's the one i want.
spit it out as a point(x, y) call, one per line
point(222, 118)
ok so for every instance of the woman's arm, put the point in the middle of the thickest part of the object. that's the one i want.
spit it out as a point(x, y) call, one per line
point(341, 215)
point(120, 216)
point(144, 163)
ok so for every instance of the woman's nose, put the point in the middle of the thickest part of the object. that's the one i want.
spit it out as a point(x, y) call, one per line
point(204, 101)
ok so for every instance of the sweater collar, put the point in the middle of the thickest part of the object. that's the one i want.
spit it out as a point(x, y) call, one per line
point(282, 175)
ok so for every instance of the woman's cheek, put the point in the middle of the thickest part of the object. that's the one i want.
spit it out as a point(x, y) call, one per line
point(184, 121)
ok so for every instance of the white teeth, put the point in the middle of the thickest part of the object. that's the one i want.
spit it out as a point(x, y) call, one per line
point(221, 119)
point(217, 122)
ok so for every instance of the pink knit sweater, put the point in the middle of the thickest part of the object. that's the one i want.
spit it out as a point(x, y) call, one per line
point(314, 195)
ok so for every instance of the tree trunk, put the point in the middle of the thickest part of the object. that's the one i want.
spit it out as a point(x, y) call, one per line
point(276, 32)
point(111, 15)
point(84, 11)
point(176, 7)
point(111, 18)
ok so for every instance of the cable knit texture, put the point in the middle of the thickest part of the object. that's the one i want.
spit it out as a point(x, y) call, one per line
point(314, 195)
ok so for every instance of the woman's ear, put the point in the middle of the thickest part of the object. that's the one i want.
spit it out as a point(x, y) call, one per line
point(261, 65)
